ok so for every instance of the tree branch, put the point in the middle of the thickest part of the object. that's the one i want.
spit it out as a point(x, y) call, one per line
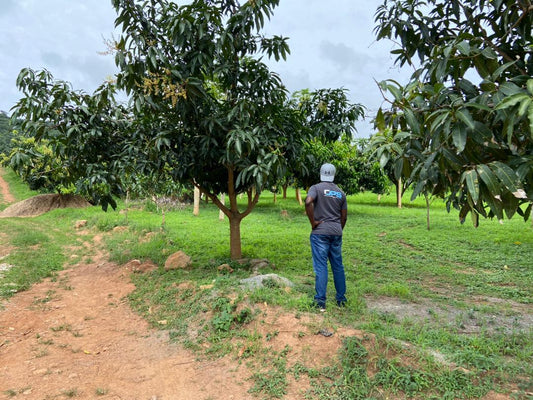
point(253, 198)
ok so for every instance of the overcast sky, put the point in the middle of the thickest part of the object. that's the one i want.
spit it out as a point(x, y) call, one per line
point(332, 45)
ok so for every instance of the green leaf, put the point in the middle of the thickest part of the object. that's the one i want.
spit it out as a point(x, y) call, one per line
point(527, 213)
point(489, 178)
point(530, 116)
point(379, 122)
point(398, 168)
point(529, 85)
point(459, 137)
point(396, 92)
point(509, 89)
point(482, 134)
point(511, 101)
point(496, 75)
point(238, 147)
point(487, 86)
point(464, 47)
point(524, 106)
point(452, 158)
point(440, 71)
point(464, 115)
point(465, 209)
point(510, 204)
point(440, 117)
point(475, 218)
point(384, 159)
point(481, 67)
point(506, 175)
point(495, 205)
point(489, 53)
point(472, 184)
point(418, 189)
point(468, 87)
point(412, 121)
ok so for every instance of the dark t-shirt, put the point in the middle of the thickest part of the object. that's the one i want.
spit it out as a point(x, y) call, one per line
point(328, 201)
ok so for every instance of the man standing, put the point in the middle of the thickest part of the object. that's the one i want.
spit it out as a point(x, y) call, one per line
point(327, 210)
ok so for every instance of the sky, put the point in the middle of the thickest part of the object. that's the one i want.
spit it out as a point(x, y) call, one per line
point(332, 46)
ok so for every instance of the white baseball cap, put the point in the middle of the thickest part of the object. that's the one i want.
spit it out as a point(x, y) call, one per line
point(327, 172)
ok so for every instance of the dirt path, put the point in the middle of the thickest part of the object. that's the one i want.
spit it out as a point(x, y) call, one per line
point(7, 197)
point(75, 336)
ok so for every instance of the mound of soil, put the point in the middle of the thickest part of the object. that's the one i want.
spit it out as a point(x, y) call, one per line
point(43, 203)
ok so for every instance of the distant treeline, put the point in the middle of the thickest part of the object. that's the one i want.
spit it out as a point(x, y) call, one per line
point(6, 133)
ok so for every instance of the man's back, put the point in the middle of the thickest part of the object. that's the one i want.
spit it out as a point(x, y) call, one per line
point(329, 201)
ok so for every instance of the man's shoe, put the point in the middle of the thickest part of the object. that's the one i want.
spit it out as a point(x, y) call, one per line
point(341, 303)
point(318, 306)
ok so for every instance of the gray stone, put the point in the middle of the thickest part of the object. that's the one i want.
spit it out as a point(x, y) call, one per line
point(259, 281)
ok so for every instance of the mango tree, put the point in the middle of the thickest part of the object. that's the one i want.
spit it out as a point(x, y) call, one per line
point(466, 117)
point(75, 141)
point(212, 110)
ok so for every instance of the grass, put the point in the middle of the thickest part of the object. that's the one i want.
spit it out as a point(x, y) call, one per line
point(41, 247)
point(469, 286)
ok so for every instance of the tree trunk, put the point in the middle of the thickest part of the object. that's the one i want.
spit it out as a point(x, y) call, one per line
point(196, 209)
point(223, 201)
point(232, 212)
point(299, 196)
point(427, 209)
point(275, 196)
point(235, 237)
point(127, 205)
point(399, 193)
point(284, 191)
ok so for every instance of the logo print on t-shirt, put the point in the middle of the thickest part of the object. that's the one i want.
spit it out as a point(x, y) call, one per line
point(332, 193)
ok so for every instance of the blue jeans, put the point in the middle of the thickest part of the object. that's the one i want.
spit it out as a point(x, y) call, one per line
point(324, 248)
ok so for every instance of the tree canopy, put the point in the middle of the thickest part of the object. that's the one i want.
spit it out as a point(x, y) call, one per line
point(204, 108)
point(6, 133)
point(462, 128)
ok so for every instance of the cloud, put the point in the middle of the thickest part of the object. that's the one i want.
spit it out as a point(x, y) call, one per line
point(332, 45)
point(62, 36)
point(7, 7)
point(341, 55)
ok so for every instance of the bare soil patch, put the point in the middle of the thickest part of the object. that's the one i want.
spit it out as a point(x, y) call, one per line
point(517, 318)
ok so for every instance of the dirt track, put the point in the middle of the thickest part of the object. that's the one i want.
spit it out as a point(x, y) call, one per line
point(7, 197)
point(78, 336)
